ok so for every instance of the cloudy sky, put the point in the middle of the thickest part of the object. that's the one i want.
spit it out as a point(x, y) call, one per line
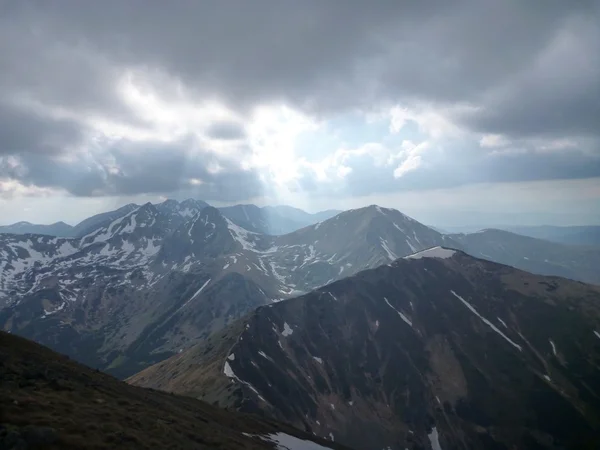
point(461, 112)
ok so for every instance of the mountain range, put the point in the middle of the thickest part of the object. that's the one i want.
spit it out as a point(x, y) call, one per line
point(161, 278)
point(267, 220)
point(59, 229)
point(132, 293)
point(366, 328)
point(438, 350)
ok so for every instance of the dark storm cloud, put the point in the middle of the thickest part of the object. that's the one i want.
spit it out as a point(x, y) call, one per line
point(318, 54)
point(557, 96)
point(27, 132)
point(130, 168)
point(226, 131)
point(526, 69)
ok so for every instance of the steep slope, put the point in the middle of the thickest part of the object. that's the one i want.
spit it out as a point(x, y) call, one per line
point(534, 255)
point(91, 224)
point(48, 401)
point(58, 229)
point(437, 350)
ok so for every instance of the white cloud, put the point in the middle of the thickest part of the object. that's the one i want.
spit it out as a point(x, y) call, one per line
point(412, 154)
point(493, 141)
point(433, 121)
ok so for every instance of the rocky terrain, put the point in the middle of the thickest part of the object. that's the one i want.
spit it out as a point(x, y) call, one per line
point(50, 402)
point(439, 350)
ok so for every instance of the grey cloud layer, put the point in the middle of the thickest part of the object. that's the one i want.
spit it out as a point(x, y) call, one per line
point(526, 70)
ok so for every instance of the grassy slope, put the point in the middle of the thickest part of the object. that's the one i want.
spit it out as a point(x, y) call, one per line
point(87, 409)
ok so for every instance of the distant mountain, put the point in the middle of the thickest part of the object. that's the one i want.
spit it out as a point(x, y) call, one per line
point(534, 255)
point(577, 235)
point(302, 216)
point(438, 350)
point(49, 401)
point(59, 229)
point(273, 220)
point(261, 220)
point(132, 292)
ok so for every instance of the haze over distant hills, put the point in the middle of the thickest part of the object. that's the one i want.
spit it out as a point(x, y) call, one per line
point(573, 235)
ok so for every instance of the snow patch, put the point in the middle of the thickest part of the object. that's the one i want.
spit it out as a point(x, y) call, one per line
point(228, 371)
point(317, 359)
point(435, 252)
point(48, 313)
point(487, 322)
point(553, 346)
point(287, 331)
point(434, 439)
point(384, 244)
point(406, 319)
point(195, 295)
point(286, 442)
point(502, 322)
point(264, 355)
